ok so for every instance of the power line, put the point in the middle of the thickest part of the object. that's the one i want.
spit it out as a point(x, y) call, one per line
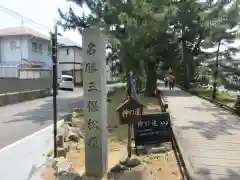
point(11, 12)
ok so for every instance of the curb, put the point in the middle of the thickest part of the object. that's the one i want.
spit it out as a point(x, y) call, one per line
point(59, 123)
point(18, 97)
point(188, 170)
point(184, 158)
point(187, 173)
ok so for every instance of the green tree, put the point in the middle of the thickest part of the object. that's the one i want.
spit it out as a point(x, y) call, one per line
point(223, 23)
point(140, 28)
point(189, 28)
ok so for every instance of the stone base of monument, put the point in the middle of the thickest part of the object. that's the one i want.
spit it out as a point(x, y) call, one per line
point(64, 170)
point(118, 168)
point(159, 148)
point(61, 152)
point(130, 162)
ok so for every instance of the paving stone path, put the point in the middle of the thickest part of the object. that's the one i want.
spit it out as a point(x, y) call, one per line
point(209, 136)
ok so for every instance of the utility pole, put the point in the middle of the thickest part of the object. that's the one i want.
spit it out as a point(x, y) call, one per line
point(54, 86)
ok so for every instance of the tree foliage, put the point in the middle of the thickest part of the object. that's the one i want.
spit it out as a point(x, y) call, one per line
point(154, 35)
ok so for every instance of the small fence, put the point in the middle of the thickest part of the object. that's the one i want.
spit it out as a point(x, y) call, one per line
point(8, 71)
point(34, 73)
point(24, 73)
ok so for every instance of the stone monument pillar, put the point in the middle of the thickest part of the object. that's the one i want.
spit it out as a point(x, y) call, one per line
point(95, 102)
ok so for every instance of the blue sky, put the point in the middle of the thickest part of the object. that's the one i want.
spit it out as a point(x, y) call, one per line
point(42, 11)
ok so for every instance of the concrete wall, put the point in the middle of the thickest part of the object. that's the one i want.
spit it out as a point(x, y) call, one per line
point(19, 90)
point(12, 85)
point(13, 98)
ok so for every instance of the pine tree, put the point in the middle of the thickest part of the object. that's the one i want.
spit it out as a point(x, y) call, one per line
point(223, 22)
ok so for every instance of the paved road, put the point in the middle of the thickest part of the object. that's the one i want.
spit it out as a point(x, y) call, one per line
point(208, 136)
point(20, 120)
point(22, 160)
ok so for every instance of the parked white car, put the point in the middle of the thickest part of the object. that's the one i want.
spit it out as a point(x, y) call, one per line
point(66, 82)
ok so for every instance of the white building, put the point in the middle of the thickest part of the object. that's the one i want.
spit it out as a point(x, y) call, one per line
point(22, 43)
point(70, 62)
point(20, 46)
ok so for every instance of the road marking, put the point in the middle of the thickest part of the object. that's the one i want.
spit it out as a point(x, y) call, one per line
point(46, 128)
point(28, 137)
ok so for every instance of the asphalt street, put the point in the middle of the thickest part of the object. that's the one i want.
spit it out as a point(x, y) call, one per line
point(20, 120)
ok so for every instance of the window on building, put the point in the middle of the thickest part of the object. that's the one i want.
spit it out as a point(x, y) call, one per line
point(34, 47)
point(37, 47)
point(13, 45)
point(67, 51)
point(40, 48)
point(49, 50)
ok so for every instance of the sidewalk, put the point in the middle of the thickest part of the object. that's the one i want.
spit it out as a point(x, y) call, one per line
point(208, 136)
point(18, 161)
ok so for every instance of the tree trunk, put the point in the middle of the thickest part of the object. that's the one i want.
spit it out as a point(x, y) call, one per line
point(215, 75)
point(186, 66)
point(151, 80)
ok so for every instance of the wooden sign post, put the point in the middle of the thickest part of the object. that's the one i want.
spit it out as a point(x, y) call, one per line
point(130, 111)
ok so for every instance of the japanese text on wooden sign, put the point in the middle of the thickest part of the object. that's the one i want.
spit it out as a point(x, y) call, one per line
point(130, 111)
point(153, 129)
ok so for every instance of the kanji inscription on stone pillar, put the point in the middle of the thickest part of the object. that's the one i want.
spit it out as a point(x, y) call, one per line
point(95, 100)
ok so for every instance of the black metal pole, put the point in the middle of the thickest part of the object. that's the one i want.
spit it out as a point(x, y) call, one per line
point(54, 86)
point(129, 146)
point(129, 95)
point(129, 90)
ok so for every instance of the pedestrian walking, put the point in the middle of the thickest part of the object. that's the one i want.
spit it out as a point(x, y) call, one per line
point(170, 83)
point(173, 81)
point(166, 81)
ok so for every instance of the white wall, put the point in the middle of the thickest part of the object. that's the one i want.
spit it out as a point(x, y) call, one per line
point(8, 55)
point(74, 55)
point(43, 56)
point(1, 49)
point(78, 55)
point(24, 49)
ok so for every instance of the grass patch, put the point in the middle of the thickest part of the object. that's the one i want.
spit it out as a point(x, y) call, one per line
point(221, 97)
point(50, 153)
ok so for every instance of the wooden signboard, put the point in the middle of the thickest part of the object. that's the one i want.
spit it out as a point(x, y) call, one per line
point(130, 111)
point(153, 129)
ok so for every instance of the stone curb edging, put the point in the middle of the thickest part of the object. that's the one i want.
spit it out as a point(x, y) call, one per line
point(188, 173)
point(232, 110)
point(188, 169)
point(14, 98)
